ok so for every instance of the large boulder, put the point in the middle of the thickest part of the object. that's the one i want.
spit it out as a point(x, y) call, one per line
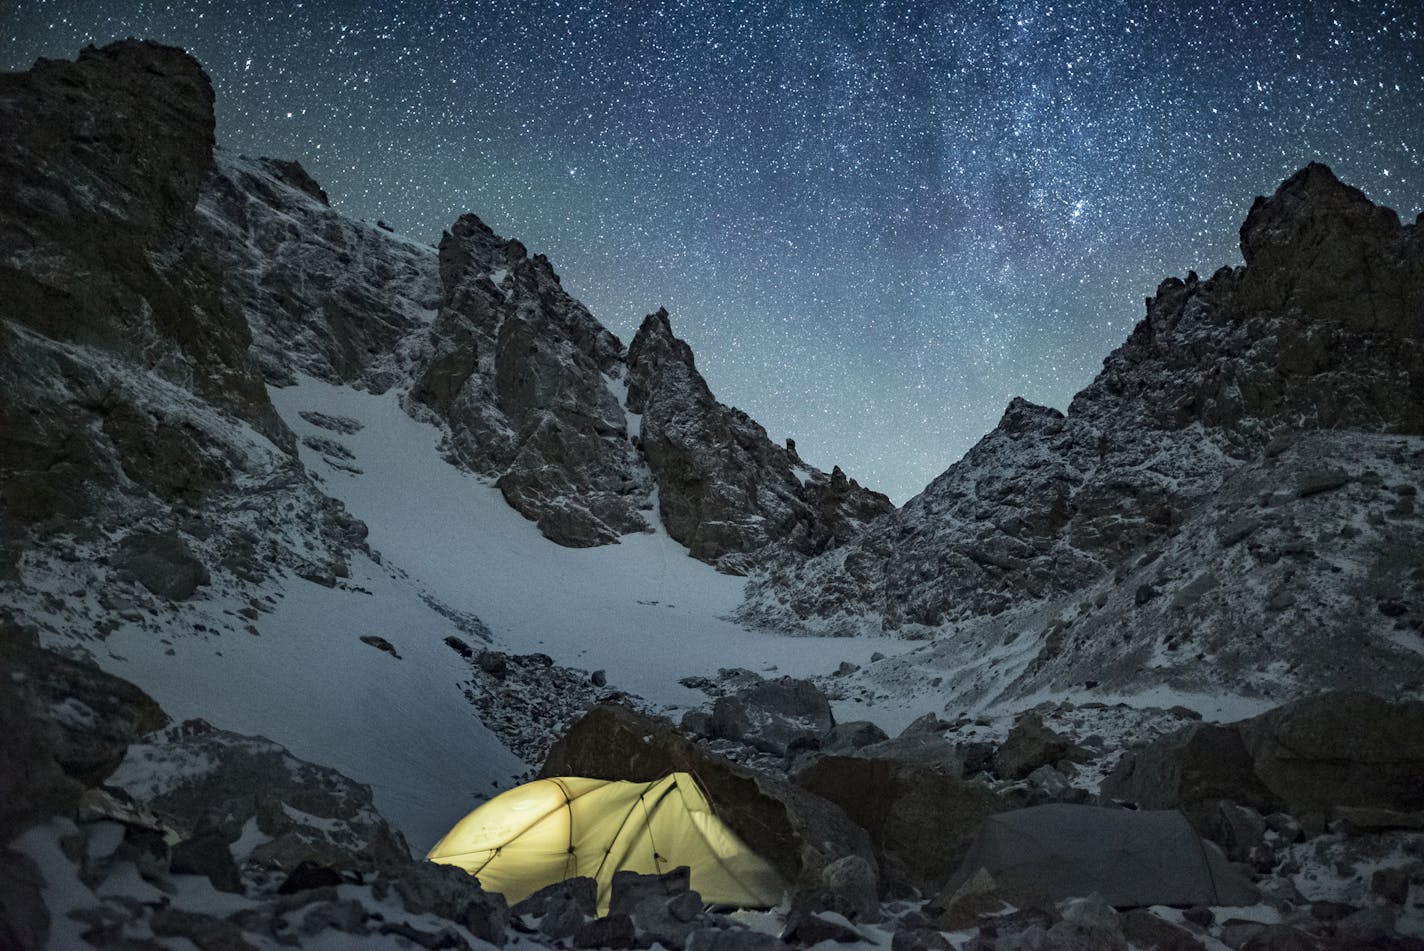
point(67, 725)
point(204, 781)
point(1343, 748)
point(773, 715)
point(930, 750)
point(797, 832)
point(428, 888)
point(163, 563)
point(24, 919)
point(921, 819)
point(1029, 745)
point(1193, 769)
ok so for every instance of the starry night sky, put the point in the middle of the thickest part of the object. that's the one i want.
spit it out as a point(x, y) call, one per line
point(874, 222)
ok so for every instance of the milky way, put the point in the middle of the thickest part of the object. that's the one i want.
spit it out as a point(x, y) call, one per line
point(874, 222)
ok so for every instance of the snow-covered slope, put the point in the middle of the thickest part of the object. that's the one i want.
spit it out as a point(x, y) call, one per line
point(642, 610)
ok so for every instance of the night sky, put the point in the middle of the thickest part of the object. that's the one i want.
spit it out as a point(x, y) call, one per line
point(874, 222)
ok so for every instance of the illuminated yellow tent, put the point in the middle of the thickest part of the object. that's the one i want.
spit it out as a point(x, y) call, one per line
point(555, 829)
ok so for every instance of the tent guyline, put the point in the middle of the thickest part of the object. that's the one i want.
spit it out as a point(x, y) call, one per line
point(554, 829)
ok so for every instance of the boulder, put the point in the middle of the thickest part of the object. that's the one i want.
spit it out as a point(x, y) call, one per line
point(1239, 830)
point(773, 715)
point(68, 725)
point(797, 832)
point(163, 563)
point(309, 875)
point(920, 818)
point(207, 854)
point(446, 892)
point(24, 919)
point(1029, 745)
point(813, 927)
point(919, 939)
point(1150, 933)
point(630, 889)
point(1277, 937)
point(927, 749)
point(1342, 748)
point(1192, 769)
point(852, 735)
point(610, 931)
point(563, 918)
point(199, 779)
point(1391, 884)
point(582, 891)
point(851, 888)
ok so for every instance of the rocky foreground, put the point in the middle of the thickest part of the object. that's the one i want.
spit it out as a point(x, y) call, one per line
point(126, 830)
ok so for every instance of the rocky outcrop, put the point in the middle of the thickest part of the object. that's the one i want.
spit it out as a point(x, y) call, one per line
point(1184, 496)
point(526, 380)
point(136, 426)
point(338, 299)
point(67, 727)
point(1335, 754)
point(205, 782)
point(797, 832)
point(1192, 769)
point(539, 395)
point(103, 160)
point(725, 490)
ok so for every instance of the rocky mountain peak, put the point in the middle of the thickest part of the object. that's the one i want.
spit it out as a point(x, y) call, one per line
point(1021, 416)
point(1310, 207)
point(726, 491)
point(657, 350)
point(295, 174)
point(525, 378)
point(1319, 250)
point(1200, 483)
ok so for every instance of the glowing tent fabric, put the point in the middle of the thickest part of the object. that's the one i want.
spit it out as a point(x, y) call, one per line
point(554, 829)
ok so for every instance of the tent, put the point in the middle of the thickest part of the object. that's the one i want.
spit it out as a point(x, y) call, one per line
point(555, 829)
point(1132, 858)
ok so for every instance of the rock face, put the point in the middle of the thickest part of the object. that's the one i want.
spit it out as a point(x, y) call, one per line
point(325, 295)
point(725, 490)
point(526, 378)
point(1194, 490)
point(131, 396)
point(797, 832)
point(539, 395)
point(104, 159)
